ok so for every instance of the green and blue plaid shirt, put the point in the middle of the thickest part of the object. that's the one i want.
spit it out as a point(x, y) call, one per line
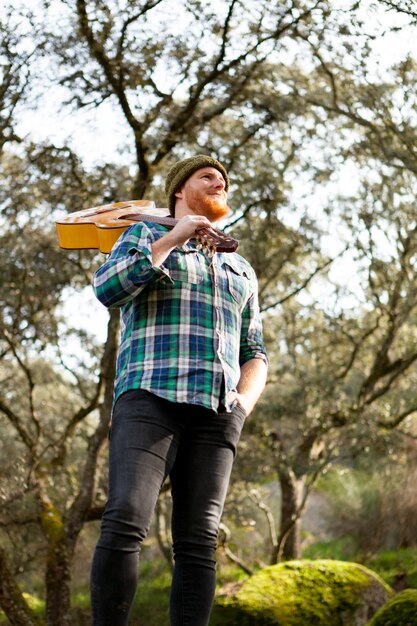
point(187, 325)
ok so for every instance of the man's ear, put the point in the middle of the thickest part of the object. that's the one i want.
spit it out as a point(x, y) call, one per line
point(179, 194)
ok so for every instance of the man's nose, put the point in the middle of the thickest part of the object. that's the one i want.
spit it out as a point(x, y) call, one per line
point(219, 183)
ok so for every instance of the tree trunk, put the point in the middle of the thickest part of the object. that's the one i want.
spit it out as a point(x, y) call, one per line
point(289, 541)
point(11, 599)
point(291, 491)
point(57, 580)
point(63, 535)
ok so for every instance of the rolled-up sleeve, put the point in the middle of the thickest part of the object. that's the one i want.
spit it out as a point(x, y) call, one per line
point(128, 269)
point(251, 338)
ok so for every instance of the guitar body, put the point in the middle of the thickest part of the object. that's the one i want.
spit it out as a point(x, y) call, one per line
point(101, 226)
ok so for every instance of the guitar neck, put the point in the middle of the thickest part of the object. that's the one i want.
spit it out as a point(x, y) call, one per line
point(214, 238)
point(167, 221)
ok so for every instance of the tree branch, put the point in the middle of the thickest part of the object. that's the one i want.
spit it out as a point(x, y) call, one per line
point(307, 281)
point(223, 543)
point(400, 7)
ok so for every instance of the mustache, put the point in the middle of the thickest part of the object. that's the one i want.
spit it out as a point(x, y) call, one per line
point(206, 204)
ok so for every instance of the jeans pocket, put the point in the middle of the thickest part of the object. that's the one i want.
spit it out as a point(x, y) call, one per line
point(233, 423)
point(239, 410)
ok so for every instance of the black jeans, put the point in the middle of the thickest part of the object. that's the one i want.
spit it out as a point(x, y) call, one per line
point(152, 438)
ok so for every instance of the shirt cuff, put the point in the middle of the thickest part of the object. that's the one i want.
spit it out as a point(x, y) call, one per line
point(142, 270)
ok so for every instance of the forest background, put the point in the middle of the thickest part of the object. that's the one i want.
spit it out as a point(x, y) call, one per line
point(311, 105)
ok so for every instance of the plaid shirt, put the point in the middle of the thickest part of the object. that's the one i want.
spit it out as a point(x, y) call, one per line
point(187, 325)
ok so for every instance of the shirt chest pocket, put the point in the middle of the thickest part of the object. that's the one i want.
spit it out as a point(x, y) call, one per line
point(238, 283)
point(184, 267)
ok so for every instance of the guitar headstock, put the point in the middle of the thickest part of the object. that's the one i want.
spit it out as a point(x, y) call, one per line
point(213, 240)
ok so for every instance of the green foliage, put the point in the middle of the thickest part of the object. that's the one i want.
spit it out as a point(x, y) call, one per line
point(321, 593)
point(396, 567)
point(151, 604)
point(342, 549)
point(399, 611)
point(374, 503)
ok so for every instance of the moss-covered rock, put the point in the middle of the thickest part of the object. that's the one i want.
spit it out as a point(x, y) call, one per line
point(401, 610)
point(299, 593)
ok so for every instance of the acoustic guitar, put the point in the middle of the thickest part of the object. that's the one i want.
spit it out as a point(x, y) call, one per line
point(101, 226)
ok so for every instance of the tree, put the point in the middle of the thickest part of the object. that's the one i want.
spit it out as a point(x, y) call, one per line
point(17, 55)
point(56, 405)
point(168, 86)
point(344, 365)
point(348, 361)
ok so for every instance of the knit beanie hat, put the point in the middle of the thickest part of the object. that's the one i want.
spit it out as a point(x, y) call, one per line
point(182, 170)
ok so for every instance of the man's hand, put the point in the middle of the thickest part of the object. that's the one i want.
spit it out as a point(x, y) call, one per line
point(186, 228)
point(242, 400)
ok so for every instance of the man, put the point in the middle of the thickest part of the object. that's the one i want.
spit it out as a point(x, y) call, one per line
point(190, 368)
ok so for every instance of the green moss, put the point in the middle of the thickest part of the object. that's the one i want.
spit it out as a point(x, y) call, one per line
point(52, 523)
point(318, 593)
point(399, 611)
point(36, 604)
point(36, 610)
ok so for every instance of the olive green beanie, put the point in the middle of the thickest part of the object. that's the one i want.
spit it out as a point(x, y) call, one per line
point(182, 170)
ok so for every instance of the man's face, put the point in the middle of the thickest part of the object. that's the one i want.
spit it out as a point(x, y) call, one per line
point(204, 193)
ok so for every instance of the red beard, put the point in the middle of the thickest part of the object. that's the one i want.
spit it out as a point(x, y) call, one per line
point(210, 206)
